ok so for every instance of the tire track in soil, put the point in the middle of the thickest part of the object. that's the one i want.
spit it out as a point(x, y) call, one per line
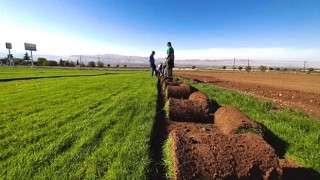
point(157, 169)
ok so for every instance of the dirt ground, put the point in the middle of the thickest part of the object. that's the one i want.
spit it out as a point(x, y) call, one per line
point(299, 91)
point(207, 151)
point(202, 152)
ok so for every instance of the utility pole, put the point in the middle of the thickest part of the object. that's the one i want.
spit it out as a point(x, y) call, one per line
point(31, 59)
point(248, 63)
point(304, 65)
point(234, 63)
point(9, 58)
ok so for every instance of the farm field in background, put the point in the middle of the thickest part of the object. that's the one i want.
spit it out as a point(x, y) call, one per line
point(76, 127)
point(298, 132)
point(299, 91)
point(293, 81)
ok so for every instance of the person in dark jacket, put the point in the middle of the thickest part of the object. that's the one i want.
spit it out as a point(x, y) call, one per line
point(152, 64)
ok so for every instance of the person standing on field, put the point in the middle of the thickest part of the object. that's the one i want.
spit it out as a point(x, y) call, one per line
point(152, 64)
point(169, 59)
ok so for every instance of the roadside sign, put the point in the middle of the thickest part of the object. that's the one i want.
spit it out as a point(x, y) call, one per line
point(31, 47)
point(8, 45)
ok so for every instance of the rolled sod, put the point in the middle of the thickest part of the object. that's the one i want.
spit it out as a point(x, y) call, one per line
point(171, 83)
point(180, 92)
point(187, 111)
point(204, 100)
point(219, 156)
point(199, 97)
point(165, 79)
point(231, 120)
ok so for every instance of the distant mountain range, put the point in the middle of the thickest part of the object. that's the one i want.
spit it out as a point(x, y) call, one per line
point(115, 59)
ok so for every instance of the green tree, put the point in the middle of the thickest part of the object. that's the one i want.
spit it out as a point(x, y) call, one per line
point(224, 67)
point(248, 68)
point(100, 64)
point(92, 64)
point(61, 62)
point(42, 61)
point(66, 63)
point(72, 64)
point(26, 56)
point(262, 68)
point(52, 63)
point(240, 68)
point(310, 70)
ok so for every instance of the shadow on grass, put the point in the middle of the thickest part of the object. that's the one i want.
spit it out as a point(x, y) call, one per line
point(157, 168)
point(292, 173)
point(279, 145)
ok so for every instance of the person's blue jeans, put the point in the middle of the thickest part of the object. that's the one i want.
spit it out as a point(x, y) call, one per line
point(153, 69)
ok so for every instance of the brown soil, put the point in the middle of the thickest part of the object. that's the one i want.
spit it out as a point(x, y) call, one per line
point(299, 91)
point(174, 83)
point(229, 119)
point(203, 151)
point(199, 97)
point(179, 92)
point(188, 110)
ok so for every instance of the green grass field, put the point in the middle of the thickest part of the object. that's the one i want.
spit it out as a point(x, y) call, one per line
point(91, 127)
point(298, 130)
point(27, 72)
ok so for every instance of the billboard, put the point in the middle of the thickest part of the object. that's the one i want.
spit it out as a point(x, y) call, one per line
point(31, 47)
point(8, 45)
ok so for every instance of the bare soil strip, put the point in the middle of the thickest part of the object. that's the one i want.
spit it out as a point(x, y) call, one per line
point(298, 91)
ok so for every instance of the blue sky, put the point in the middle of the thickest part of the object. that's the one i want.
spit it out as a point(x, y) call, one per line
point(204, 29)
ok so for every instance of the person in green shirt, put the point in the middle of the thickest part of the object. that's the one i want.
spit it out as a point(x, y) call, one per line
point(169, 60)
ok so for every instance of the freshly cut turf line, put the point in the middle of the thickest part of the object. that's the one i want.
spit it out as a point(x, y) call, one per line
point(168, 158)
point(159, 134)
point(249, 130)
point(299, 130)
point(95, 127)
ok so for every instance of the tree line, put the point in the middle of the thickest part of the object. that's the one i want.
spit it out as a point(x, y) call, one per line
point(41, 61)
